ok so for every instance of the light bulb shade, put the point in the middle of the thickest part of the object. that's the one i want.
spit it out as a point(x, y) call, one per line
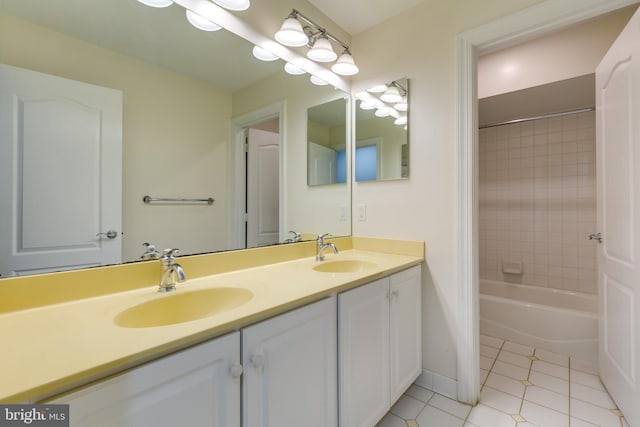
point(291, 33)
point(157, 3)
point(365, 105)
point(318, 81)
point(345, 65)
point(200, 22)
point(402, 105)
point(293, 69)
point(400, 121)
point(233, 4)
point(392, 94)
point(383, 112)
point(263, 54)
point(322, 51)
point(377, 89)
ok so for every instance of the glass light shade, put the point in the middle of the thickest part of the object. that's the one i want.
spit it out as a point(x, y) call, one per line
point(345, 65)
point(291, 33)
point(383, 112)
point(201, 23)
point(263, 55)
point(402, 120)
point(318, 81)
point(293, 69)
point(157, 3)
point(392, 94)
point(364, 105)
point(233, 4)
point(377, 89)
point(402, 105)
point(322, 51)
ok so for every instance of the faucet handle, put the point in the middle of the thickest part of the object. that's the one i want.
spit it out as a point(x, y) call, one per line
point(170, 254)
point(150, 252)
point(321, 237)
point(296, 236)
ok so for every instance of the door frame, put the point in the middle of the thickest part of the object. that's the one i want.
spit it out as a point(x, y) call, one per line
point(521, 26)
point(236, 187)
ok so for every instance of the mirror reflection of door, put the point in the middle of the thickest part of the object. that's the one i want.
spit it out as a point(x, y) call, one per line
point(262, 184)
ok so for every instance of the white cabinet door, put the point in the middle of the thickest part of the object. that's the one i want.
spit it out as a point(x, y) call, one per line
point(364, 354)
point(380, 345)
point(194, 388)
point(405, 330)
point(290, 365)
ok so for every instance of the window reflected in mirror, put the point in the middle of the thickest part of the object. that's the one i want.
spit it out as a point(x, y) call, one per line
point(326, 143)
point(382, 128)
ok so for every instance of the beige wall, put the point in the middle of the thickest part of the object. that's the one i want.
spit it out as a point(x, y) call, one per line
point(421, 44)
point(175, 131)
point(575, 51)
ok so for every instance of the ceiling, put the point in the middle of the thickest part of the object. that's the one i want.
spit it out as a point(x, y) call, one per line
point(356, 16)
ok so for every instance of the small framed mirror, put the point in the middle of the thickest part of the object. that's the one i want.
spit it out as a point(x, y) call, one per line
point(327, 143)
point(382, 132)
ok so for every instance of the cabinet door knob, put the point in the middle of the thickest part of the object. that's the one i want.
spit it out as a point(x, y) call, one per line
point(235, 371)
point(395, 294)
point(257, 361)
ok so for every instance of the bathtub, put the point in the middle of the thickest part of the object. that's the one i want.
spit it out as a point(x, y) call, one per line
point(559, 321)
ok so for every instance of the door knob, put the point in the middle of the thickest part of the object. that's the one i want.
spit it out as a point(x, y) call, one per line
point(111, 234)
point(598, 237)
point(235, 371)
point(257, 361)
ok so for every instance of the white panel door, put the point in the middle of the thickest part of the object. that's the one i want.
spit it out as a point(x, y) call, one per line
point(60, 173)
point(290, 363)
point(198, 387)
point(405, 330)
point(618, 163)
point(363, 318)
point(263, 188)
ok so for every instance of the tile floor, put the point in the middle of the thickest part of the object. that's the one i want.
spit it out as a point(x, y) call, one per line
point(521, 386)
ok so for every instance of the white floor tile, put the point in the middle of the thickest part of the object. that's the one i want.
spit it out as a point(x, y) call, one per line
point(526, 425)
point(576, 422)
point(555, 358)
point(491, 341)
point(487, 351)
point(503, 402)
point(407, 407)
point(550, 369)
point(483, 376)
point(432, 417)
point(593, 396)
point(584, 366)
point(625, 423)
point(524, 350)
point(594, 414)
point(511, 371)
point(419, 393)
point(549, 382)
point(515, 359)
point(590, 380)
point(391, 420)
point(451, 406)
point(485, 416)
point(486, 363)
point(547, 398)
point(542, 416)
point(505, 384)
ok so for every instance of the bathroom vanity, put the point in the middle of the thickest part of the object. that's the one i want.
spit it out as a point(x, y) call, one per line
point(299, 349)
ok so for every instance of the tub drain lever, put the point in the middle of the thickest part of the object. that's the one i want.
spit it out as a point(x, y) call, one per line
point(597, 236)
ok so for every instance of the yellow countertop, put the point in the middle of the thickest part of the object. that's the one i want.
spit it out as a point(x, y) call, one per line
point(53, 348)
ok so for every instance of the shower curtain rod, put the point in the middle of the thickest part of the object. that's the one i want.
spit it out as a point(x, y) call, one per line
point(544, 116)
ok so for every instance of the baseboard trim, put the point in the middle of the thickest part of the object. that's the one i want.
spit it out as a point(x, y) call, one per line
point(439, 383)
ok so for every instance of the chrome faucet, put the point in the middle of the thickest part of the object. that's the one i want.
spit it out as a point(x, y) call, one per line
point(321, 246)
point(295, 238)
point(150, 252)
point(171, 271)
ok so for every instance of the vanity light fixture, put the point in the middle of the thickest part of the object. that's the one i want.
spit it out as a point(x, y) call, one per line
point(377, 89)
point(237, 5)
point(391, 95)
point(200, 22)
point(297, 30)
point(400, 121)
point(157, 3)
point(383, 112)
point(318, 81)
point(402, 105)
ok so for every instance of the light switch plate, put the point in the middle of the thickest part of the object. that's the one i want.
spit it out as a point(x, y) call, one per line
point(362, 212)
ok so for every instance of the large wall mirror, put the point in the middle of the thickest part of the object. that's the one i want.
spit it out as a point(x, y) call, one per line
point(382, 129)
point(327, 143)
point(182, 90)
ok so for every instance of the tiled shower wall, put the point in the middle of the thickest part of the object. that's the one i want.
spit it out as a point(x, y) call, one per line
point(537, 202)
